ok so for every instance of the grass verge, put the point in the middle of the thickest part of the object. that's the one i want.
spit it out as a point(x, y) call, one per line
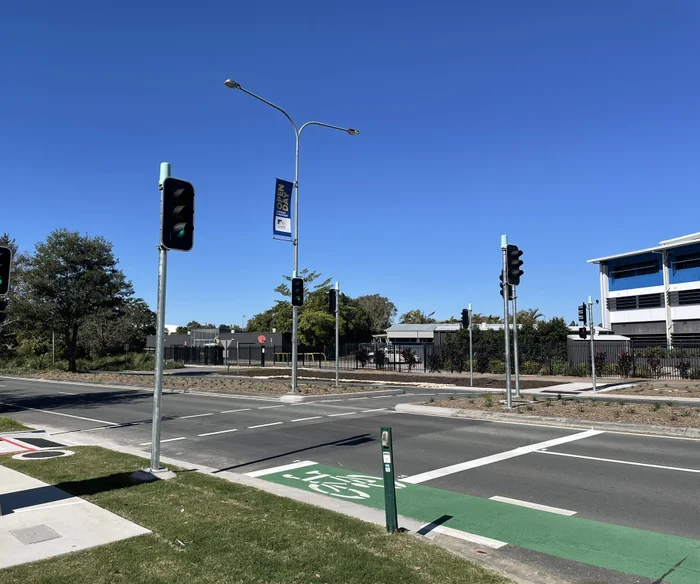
point(10, 425)
point(208, 530)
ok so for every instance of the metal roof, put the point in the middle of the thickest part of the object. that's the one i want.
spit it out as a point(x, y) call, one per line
point(666, 244)
point(401, 328)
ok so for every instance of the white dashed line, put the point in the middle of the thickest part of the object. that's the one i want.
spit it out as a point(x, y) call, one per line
point(168, 440)
point(659, 466)
point(332, 400)
point(377, 410)
point(379, 396)
point(264, 425)
point(62, 414)
point(219, 432)
point(63, 392)
point(276, 469)
point(304, 419)
point(194, 416)
point(234, 411)
point(421, 394)
point(268, 407)
point(356, 398)
point(343, 414)
point(520, 503)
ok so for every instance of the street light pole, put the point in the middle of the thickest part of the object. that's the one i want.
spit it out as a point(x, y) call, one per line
point(295, 238)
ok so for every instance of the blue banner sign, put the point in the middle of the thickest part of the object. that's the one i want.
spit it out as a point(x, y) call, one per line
point(282, 217)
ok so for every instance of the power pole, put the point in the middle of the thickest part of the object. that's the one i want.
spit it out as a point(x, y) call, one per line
point(337, 332)
point(506, 291)
point(590, 317)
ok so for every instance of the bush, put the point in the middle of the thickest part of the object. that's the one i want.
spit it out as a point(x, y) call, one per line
point(625, 362)
point(683, 368)
point(644, 371)
point(694, 373)
point(600, 359)
point(457, 361)
point(362, 356)
point(409, 357)
point(579, 371)
point(488, 400)
point(482, 362)
point(496, 366)
point(560, 368)
point(379, 358)
point(612, 370)
point(654, 356)
point(530, 368)
point(434, 363)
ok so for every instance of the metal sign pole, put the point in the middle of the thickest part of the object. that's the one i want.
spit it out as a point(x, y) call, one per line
point(471, 352)
point(590, 317)
point(515, 341)
point(506, 286)
point(337, 332)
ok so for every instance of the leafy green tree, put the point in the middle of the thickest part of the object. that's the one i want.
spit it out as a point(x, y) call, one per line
point(417, 317)
point(478, 318)
point(530, 316)
point(181, 330)
point(380, 309)
point(69, 279)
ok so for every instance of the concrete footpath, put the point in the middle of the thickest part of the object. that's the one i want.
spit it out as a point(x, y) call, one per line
point(40, 521)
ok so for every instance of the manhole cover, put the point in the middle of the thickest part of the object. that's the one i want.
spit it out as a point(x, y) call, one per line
point(42, 454)
point(41, 442)
point(37, 534)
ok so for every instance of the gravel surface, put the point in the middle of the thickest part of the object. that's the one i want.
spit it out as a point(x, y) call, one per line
point(675, 389)
point(658, 414)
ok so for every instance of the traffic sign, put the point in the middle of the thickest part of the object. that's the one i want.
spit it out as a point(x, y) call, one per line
point(262, 339)
point(226, 343)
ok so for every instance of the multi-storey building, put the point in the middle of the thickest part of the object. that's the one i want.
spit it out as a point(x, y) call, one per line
point(654, 293)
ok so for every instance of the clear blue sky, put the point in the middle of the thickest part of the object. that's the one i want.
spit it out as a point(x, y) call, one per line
point(543, 120)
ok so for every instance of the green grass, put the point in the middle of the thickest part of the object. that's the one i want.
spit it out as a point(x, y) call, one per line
point(130, 362)
point(10, 425)
point(207, 530)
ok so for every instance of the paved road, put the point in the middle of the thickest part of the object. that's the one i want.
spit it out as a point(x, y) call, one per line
point(632, 481)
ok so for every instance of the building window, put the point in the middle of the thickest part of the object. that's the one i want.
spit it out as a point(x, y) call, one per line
point(686, 261)
point(637, 269)
point(650, 301)
point(636, 302)
point(626, 303)
point(687, 297)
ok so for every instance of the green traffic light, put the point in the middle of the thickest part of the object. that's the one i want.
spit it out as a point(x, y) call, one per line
point(181, 233)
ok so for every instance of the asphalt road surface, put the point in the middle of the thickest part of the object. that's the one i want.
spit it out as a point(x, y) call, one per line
point(625, 481)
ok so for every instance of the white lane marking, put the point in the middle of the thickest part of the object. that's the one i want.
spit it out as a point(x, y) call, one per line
point(264, 425)
point(330, 400)
point(421, 394)
point(377, 410)
point(356, 398)
point(464, 535)
point(380, 396)
point(168, 440)
point(63, 392)
point(194, 416)
point(234, 411)
point(662, 467)
point(218, 432)
point(343, 414)
point(454, 468)
point(557, 510)
point(284, 467)
point(304, 419)
point(268, 407)
point(66, 415)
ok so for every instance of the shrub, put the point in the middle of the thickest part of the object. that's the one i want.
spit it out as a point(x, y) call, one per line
point(611, 370)
point(434, 363)
point(625, 361)
point(560, 368)
point(579, 371)
point(409, 357)
point(654, 363)
point(379, 358)
point(600, 359)
point(482, 362)
point(458, 361)
point(644, 371)
point(362, 356)
point(488, 400)
point(683, 368)
point(530, 368)
point(496, 366)
point(694, 373)
point(656, 407)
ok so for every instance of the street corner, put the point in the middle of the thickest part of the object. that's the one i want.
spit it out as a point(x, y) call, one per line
point(27, 441)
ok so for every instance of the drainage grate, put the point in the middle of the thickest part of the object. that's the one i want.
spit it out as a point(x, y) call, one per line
point(40, 442)
point(42, 454)
point(37, 534)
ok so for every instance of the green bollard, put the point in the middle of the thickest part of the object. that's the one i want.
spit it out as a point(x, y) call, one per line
point(392, 520)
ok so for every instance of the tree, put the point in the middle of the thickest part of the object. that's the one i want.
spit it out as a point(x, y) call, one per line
point(478, 318)
point(417, 317)
point(181, 330)
point(11, 326)
point(69, 279)
point(380, 309)
point(530, 316)
point(194, 325)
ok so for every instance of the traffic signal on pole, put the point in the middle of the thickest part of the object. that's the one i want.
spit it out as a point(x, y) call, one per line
point(514, 262)
point(297, 291)
point(177, 215)
point(510, 289)
point(583, 332)
point(5, 264)
point(465, 318)
point(332, 300)
point(582, 313)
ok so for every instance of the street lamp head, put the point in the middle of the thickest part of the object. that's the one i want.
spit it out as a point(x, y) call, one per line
point(232, 84)
point(353, 132)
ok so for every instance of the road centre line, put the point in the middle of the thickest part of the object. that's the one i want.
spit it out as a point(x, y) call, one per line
point(341, 414)
point(268, 407)
point(264, 425)
point(644, 464)
point(304, 419)
point(194, 416)
point(462, 466)
point(167, 440)
point(331, 400)
point(62, 414)
point(284, 467)
point(234, 411)
point(218, 432)
point(356, 398)
point(520, 503)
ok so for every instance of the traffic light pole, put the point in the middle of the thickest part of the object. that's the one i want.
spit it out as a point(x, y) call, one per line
point(337, 332)
point(504, 245)
point(515, 341)
point(590, 318)
point(471, 351)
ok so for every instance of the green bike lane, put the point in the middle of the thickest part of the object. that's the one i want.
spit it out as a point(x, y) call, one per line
point(634, 551)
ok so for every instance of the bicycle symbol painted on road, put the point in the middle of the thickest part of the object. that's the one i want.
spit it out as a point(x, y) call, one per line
point(352, 486)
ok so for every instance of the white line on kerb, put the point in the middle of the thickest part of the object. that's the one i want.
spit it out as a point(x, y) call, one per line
point(304, 419)
point(274, 469)
point(537, 506)
point(662, 467)
point(218, 432)
point(66, 415)
point(264, 425)
point(466, 536)
point(343, 414)
point(168, 440)
point(447, 470)
point(194, 416)
point(234, 411)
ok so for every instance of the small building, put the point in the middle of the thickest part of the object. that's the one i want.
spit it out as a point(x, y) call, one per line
point(653, 294)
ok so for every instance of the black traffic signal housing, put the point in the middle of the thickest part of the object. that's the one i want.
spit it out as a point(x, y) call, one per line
point(332, 300)
point(465, 318)
point(297, 292)
point(510, 288)
point(583, 332)
point(177, 230)
point(514, 262)
point(582, 314)
point(5, 265)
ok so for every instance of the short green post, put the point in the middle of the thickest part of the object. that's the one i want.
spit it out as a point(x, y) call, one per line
point(392, 520)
